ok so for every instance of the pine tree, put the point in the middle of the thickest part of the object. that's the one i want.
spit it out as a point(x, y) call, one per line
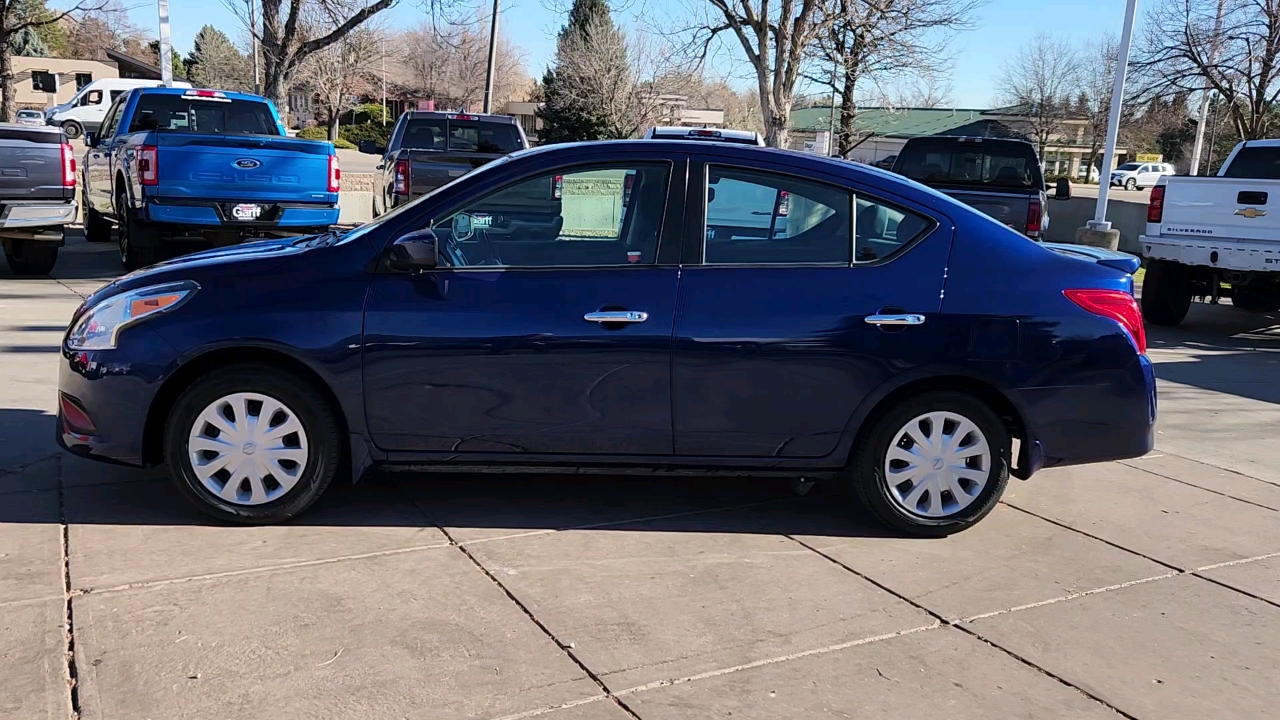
point(27, 43)
point(215, 62)
point(565, 116)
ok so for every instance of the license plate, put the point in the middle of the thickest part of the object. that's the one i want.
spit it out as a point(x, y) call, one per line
point(246, 211)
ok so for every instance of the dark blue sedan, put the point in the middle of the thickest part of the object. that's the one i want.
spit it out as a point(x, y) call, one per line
point(652, 304)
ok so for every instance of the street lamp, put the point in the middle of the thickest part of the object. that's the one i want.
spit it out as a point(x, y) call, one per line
point(166, 59)
point(493, 55)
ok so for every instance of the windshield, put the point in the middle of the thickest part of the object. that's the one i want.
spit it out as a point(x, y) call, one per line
point(220, 116)
point(30, 114)
point(460, 135)
point(1255, 163)
point(407, 207)
point(1128, 166)
point(989, 164)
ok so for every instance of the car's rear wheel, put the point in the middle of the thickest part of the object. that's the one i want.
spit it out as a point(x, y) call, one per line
point(27, 257)
point(1256, 297)
point(97, 229)
point(1166, 292)
point(72, 129)
point(933, 465)
point(252, 444)
point(136, 240)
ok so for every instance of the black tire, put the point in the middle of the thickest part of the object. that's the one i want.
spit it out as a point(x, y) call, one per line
point(324, 449)
point(867, 473)
point(1166, 292)
point(97, 229)
point(136, 241)
point(1130, 184)
point(1256, 297)
point(27, 257)
point(73, 129)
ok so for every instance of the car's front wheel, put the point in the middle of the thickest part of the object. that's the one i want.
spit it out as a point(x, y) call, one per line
point(1130, 184)
point(933, 465)
point(252, 444)
point(72, 129)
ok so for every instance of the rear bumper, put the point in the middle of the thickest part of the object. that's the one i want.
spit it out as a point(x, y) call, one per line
point(1224, 253)
point(38, 214)
point(214, 215)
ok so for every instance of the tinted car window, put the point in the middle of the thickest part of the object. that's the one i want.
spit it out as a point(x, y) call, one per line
point(487, 137)
point(601, 216)
point(755, 217)
point(425, 135)
point(1128, 166)
point(881, 230)
point(991, 163)
point(1255, 163)
point(177, 113)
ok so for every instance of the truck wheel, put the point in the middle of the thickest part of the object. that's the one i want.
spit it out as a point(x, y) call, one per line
point(1256, 297)
point(1130, 184)
point(1166, 292)
point(72, 129)
point(137, 241)
point(30, 258)
point(97, 229)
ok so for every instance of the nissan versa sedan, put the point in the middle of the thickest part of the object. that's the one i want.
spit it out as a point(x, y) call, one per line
point(624, 306)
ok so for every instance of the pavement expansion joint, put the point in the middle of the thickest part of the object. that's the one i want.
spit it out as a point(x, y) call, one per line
point(68, 626)
point(1149, 471)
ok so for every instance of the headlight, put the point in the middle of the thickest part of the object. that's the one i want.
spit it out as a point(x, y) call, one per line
point(100, 325)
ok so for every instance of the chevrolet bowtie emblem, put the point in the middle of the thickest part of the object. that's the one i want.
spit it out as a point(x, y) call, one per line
point(1251, 213)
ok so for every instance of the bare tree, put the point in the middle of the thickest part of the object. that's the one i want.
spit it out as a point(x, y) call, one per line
point(447, 63)
point(925, 90)
point(1040, 80)
point(15, 17)
point(101, 27)
point(1228, 46)
point(880, 40)
point(339, 73)
point(1093, 102)
point(293, 30)
point(775, 37)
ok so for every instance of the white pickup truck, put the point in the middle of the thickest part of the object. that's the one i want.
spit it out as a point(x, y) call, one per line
point(1206, 231)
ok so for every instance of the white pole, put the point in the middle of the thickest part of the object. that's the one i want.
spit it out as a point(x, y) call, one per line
point(253, 38)
point(1204, 97)
point(1099, 221)
point(382, 50)
point(166, 59)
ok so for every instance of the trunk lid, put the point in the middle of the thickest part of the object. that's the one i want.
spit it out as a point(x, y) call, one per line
point(242, 168)
point(31, 164)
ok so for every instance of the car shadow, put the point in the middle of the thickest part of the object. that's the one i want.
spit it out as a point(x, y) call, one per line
point(1223, 349)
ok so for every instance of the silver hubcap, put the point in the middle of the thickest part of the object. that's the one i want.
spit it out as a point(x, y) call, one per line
point(248, 448)
point(937, 465)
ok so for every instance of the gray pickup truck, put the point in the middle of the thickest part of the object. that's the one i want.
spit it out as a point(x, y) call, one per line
point(429, 149)
point(37, 195)
point(999, 177)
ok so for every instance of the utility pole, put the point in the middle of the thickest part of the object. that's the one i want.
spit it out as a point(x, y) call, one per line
point(382, 50)
point(493, 56)
point(253, 39)
point(1204, 97)
point(1099, 226)
point(166, 55)
point(1213, 134)
point(831, 134)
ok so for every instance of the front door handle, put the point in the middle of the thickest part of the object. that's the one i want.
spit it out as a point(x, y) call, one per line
point(616, 316)
point(895, 319)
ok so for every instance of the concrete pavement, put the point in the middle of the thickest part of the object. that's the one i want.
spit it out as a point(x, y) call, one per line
point(1144, 589)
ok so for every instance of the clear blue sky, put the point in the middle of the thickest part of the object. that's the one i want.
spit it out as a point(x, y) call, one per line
point(1000, 27)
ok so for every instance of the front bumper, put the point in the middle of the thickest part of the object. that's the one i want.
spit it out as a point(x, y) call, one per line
point(38, 214)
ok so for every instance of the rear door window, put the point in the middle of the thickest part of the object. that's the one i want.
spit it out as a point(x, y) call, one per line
point(761, 218)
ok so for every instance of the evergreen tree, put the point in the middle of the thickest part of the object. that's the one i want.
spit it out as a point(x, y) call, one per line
point(216, 62)
point(565, 116)
point(175, 59)
point(27, 43)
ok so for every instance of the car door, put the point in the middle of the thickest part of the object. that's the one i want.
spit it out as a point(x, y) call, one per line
point(97, 165)
point(1147, 175)
point(781, 334)
point(547, 326)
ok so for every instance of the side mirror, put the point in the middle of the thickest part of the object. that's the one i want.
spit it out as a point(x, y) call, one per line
point(369, 147)
point(1063, 191)
point(415, 251)
point(91, 139)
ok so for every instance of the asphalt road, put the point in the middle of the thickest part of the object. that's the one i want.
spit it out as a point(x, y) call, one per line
point(1145, 589)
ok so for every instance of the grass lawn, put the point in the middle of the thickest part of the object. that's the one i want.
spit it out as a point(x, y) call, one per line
point(1137, 277)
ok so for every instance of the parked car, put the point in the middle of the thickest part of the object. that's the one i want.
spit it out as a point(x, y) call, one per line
point(1136, 176)
point(37, 196)
point(1206, 231)
point(999, 177)
point(85, 111)
point(174, 165)
point(630, 340)
point(740, 137)
point(429, 149)
point(886, 163)
point(29, 117)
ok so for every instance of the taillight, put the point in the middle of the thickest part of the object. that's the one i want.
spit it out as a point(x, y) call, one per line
point(403, 178)
point(148, 165)
point(68, 165)
point(1155, 208)
point(1034, 215)
point(1116, 305)
point(335, 174)
point(557, 187)
point(784, 203)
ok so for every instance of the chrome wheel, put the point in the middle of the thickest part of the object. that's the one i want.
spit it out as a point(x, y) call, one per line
point(247, 448)
point(937, 465)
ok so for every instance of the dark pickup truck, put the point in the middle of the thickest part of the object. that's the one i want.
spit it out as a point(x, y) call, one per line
point(37, 195)
point(429, 149)
point(996, 176)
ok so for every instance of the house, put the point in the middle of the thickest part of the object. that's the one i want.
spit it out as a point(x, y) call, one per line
point(42, 82)
point(885, 130)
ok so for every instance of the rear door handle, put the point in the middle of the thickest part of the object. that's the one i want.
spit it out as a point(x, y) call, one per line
point(895, 319)
point(616, 316)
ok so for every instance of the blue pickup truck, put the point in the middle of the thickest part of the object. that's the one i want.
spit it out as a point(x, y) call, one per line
point(174, 164)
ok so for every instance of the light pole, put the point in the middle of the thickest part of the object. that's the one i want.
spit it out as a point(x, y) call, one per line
point(493, 56)
point(1099, 222)
point(253, 38)
point(166, 59)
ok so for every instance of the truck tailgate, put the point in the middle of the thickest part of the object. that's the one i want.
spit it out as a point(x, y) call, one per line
point(1219, 207)
point(243, 168)
point(1008, 208)
point(434, 168)
point(31, 164)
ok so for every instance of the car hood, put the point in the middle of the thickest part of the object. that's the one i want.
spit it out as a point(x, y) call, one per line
point(260, 255)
